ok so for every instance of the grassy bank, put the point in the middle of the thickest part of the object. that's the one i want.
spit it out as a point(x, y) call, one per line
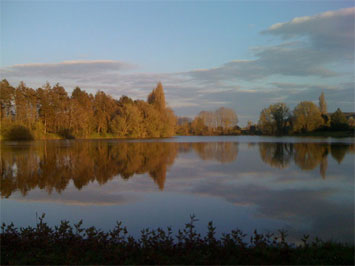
point(66, 244)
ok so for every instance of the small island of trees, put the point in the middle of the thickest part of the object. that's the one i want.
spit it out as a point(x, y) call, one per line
point(49, 112)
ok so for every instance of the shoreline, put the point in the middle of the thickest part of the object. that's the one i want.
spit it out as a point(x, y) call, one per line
point(335, 134)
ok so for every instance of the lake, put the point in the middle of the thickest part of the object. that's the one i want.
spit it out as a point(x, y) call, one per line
point(302, 185)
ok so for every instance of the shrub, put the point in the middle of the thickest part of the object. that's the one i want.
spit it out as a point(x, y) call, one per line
point(66, 244)
point(18, 132)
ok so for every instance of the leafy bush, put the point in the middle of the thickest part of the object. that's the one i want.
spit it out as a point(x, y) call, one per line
point(18, 132)
point(65, 244)
point(338, 121)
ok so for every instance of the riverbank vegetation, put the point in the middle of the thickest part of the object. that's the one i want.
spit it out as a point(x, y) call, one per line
point(66, 244)
point(50, 113)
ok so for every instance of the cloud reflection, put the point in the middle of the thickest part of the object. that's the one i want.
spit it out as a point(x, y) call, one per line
point(52, 165)
point(277, 182)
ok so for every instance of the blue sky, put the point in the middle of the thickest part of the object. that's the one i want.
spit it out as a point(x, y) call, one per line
point(207, 53)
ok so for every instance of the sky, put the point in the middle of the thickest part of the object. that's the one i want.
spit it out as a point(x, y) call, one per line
point(243, 55)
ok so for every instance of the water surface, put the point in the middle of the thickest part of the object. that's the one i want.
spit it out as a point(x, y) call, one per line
point(303, 185)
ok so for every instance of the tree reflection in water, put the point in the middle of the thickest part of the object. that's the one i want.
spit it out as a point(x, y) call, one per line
point(51, 165)
point(224, 152)
point(306, 156)
point(276, 154)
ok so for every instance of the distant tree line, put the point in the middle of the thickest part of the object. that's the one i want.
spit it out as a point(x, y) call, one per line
point(222, 121)
point(49, 111)
point(277, 119)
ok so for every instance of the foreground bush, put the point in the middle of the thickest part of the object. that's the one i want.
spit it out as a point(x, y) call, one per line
point(65, 244)
point(17, 132)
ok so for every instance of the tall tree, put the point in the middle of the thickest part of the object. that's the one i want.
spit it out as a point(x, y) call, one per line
point(281, 115)
point(157, 97)
point(81, 115)
point(266, 122)
point(6, 99)
point(322, 104)
point(338, 120)
point(226, 118)
point(274, 119)
point(198, 127)
point(60, 105)
point(45, 110)
point(307, 117)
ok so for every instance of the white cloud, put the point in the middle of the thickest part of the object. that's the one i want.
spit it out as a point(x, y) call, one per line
point(66, 70)
point(331, 32)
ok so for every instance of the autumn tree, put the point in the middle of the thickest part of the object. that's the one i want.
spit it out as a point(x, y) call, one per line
point(198, 126)
point(104, 107)
point(6, 99)
point(226, 118)
point(128, 121)
point(274, 119)
point(60, 106)
point(351, 122)
point(209, 119)
point(169, 123)
point(183, 126)
point(25, 106)
point(45, 112)
point(168, 119)
point(81, 114)
point(281, 115)
point(307, 117)
point(338, 120)
point(219, 121)
point(266, 122)
point(157, 97)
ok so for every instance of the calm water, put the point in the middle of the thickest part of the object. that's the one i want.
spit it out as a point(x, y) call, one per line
point(265, 183)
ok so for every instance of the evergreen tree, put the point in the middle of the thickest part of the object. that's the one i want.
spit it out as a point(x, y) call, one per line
point(322, 104)
point(157, 97)
point(338, 120)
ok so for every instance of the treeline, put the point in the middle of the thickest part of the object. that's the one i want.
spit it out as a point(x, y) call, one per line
point(222, 121)
point(50, 112)
point(277, 119)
